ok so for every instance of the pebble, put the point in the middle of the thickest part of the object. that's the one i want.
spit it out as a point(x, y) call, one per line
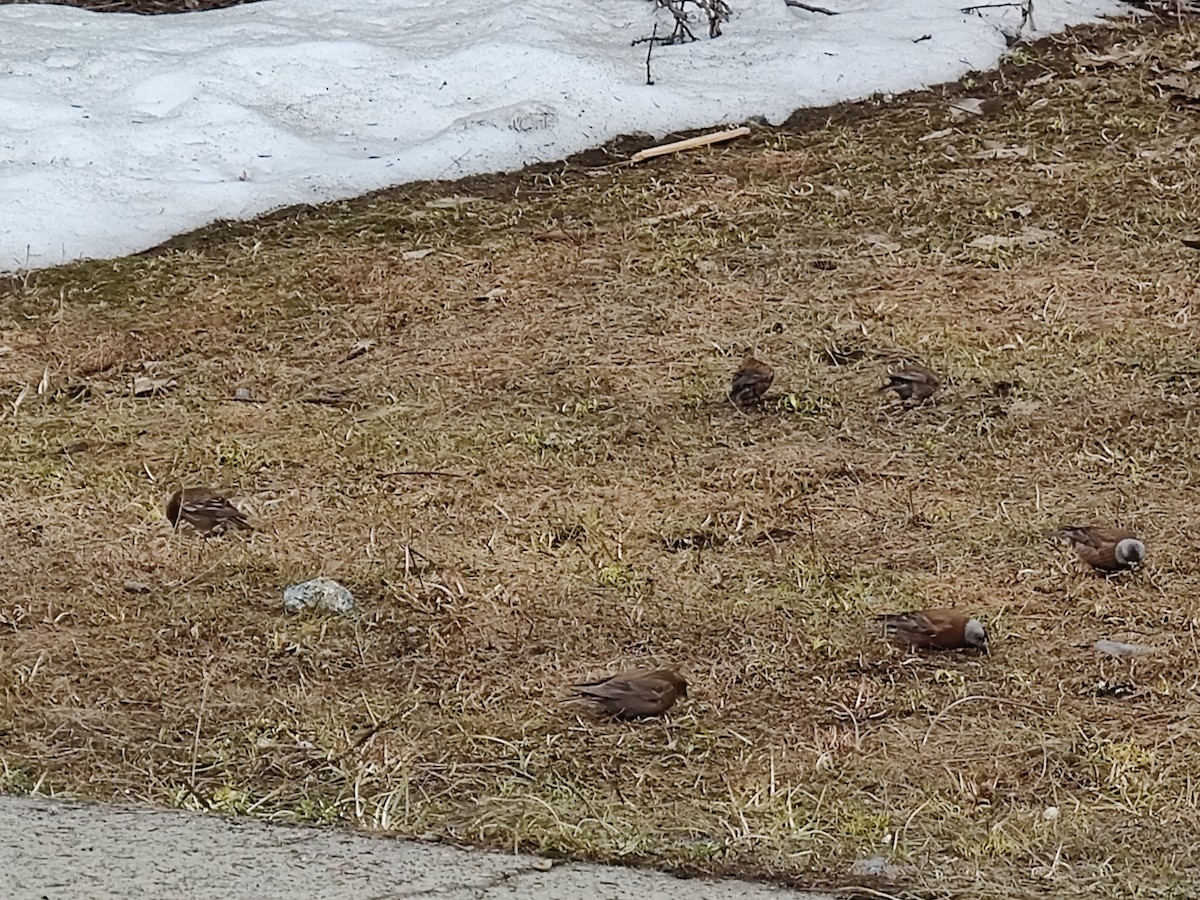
point(875, 866)
point(320, 593)
point(1122, 650)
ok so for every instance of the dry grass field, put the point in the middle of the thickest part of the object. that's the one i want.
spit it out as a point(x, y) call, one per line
point(495, 410)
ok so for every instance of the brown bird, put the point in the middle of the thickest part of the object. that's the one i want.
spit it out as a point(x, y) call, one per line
point(750, 382)
point(1106, 549)
point(205, 510)
point(912, 383)
point(635, 694)
point(933, 629)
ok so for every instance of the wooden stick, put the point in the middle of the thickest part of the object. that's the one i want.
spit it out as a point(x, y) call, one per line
point(691, 143)
point(808, 7)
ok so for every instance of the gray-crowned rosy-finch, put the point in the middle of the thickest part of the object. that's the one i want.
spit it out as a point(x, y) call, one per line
point(1106, 549)
point(205, 510)
point(635, 694)
point(933, 629)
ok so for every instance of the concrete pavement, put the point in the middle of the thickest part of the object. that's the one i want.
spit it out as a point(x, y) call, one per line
point(56, 850)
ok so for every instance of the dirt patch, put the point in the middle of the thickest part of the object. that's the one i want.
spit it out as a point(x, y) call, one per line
point(500, 420)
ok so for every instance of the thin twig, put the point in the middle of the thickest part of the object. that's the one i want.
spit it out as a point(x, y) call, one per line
point(716, 11)
point(196, 736)
point(808, 7)
point(649, 50)
point(963, 700)
point(812, 529)
point(422, 473)
point(387, 720)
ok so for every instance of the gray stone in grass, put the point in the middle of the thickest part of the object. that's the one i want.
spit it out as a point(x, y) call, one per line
point(875, 867)
point(320, 593)
point(1122, 650)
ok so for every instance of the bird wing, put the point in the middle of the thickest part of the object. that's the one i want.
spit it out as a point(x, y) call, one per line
point(915, 376)
point(751, 379)
point(637, 690)
point(755, 371)
point(912, 622)
point(213, 506)
point(217, 508)
point(1080, 534)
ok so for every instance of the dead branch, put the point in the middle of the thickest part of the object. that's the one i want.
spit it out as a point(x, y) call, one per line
point(688, 144)
point(971, 9)
point(714, 11)
point(649, 50)
point(1025, 6)
point(808, 7)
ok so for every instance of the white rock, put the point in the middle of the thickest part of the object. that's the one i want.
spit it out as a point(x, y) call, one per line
point(319, 593)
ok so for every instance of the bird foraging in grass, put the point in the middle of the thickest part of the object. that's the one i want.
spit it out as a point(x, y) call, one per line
point(912, 383)
point(1106, 549)
point(933, 629)
point(750, 382)
point(205, 510)
point(635, 694)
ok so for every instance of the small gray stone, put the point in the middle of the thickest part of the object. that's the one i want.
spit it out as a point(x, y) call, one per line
point(1121, 650)
point(136, 587)
point(875, 867)
point(320, 593)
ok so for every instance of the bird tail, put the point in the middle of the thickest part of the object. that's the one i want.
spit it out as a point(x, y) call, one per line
point(589, 689)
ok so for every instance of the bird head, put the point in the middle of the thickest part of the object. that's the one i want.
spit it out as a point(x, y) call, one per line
point(677, 680)
point(1130, 552)
point(173, 505)
point(974, 635)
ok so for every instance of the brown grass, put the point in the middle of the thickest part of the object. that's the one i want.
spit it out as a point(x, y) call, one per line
point(576, 426)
